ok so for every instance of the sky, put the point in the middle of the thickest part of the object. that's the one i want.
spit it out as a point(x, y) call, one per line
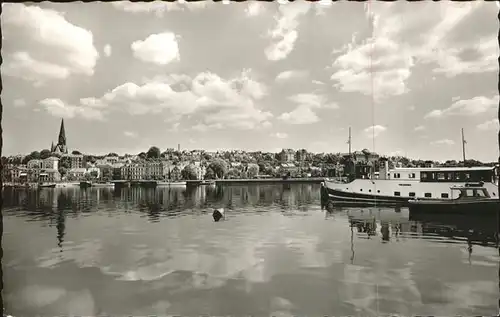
point(406, 77)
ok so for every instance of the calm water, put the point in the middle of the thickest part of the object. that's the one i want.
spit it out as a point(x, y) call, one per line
point(139, 252)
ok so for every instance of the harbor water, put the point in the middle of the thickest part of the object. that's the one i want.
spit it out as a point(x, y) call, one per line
point(137, 252)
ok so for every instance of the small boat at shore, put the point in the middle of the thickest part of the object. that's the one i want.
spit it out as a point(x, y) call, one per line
point(171, 184)
point(40, 186)
point(206, 182)
point(463, 199)
point(99, 185)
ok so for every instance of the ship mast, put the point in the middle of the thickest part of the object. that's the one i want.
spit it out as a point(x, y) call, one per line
point(463, 145)
point(349, 141)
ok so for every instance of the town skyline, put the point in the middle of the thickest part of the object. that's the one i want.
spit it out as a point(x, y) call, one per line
point(274, 77)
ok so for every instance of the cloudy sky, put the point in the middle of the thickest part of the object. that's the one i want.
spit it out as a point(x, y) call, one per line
point(252, 75)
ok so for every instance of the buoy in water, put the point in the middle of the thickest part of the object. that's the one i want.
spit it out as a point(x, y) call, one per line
point(218, 214)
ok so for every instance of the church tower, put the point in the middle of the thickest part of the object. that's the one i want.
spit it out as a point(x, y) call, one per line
point(61, 141)
point(62, 137)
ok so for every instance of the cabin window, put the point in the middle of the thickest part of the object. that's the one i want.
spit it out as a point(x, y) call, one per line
point(397, 175)
point(493, 193)
point(411, 175)
point(427, 195)
point(369, 190)
point(423, 176)
point(440, 176)
point(444, 195)
point(480, 193)
point(361, 190)
point(412, 194)
point(469, 193)
point(378, 190)
point(397, 194)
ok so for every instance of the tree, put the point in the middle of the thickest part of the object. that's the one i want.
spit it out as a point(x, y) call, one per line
point(63, 171)
point(142, 155)
point(112, 154)
point(35, 155)
point(210, 174)
point(153, 152)
point(65, 162)
point(233, 173)
point(75, 152)
point(219, 167)
point(45, 154)
point(253, 170)
point(206, 156)
point(189, 173)
point(94, 174)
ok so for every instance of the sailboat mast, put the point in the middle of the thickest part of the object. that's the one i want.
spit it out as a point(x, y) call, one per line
point(349, 141)
point(463, 145)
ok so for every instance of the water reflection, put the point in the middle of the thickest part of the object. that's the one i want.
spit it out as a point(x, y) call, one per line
point(135, 251)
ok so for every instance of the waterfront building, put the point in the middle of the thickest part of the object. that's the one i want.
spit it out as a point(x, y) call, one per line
point(145, 170)
point(60, 147)
point(76, 160)
point(35, 164)
point(48, 175)
point(51, 163)
point(301, 155)
point(15, 174)
point(76, 173)
point(287, 155)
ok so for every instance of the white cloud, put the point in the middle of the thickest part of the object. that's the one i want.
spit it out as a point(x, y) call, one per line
point(279, 135)
point(221, 103)
point(375, 130)
point(443, 142)
point(466, 107)
point(159, 48)
point(285, 34)
point(18, 103)
point(313, 101)
point(317, 82)
point(254, 8)
point(158, 7)
point(59, 108)
point(130, 134)
point(419, 128)
point(385, 60)
point(375, 67)
point(107, 50)
point(22, 65)
point(71, 47)
point(290, 74)
point(301, 115)
point(491, 125)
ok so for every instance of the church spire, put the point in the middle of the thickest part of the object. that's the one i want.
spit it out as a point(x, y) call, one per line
point(62, 134)
point(52, 147)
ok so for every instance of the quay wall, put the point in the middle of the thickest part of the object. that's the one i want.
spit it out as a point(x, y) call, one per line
point(309, 180)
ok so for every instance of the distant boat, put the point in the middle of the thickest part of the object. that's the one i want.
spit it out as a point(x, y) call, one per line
point(172, 184)
point(207, 182)
point(47, 186)
point(85, 184)
point(103, 185)
point(464, 199)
